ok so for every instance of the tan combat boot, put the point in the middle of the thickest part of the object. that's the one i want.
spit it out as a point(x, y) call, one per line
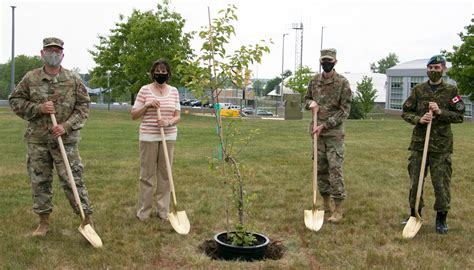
point(327, 204)
point(87, 220)
point(338, 212)
point(43, 225)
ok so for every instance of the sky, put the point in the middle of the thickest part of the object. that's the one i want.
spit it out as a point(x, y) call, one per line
point(363, 32)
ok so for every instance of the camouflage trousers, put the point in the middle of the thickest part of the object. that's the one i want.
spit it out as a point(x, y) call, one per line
point(439, 165)
point(330, 160)
point(41, 159)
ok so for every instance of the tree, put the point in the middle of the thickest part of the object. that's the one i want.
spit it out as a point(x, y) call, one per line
point(462, 59)
point(134, 45)
point(258, 87)
point(23, 64)
point(384, 63)
point(212, 69)
point(366, 94)
point(271, 85)
point(356, 109)
point(299, 82)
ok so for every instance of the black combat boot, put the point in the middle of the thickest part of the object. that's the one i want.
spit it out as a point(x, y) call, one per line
point(441, 226)
point(412, 214)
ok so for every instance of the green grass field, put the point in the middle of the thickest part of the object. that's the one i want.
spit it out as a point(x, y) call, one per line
point(278, 167)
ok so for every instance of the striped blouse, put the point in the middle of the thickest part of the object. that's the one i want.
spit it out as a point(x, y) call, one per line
point(149, 130)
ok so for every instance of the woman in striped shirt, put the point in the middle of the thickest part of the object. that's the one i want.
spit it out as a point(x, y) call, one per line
point(153, 175)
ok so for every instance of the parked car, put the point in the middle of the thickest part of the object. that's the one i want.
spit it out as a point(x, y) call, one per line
point(185, 102)
point(195, 103)
point(248, 111)
point(264, 113)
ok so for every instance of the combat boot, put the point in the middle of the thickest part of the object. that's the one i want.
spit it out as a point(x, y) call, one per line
point(338, 212)
point(87, 221)
point(412, 214)
point(327, 204)
point(441, 225)
point(43, 225)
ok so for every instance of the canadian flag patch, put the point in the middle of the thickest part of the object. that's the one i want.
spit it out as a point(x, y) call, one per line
point(455, 99)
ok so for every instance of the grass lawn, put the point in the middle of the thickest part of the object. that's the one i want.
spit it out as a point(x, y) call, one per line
point(278, 165)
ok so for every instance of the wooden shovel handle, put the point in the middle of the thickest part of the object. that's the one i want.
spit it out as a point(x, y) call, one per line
point(422, 169)
point(70, 177)
point(315, 159)
point(167, 159)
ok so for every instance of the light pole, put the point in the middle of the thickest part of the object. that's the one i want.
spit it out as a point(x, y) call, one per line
point(322, 35)
point(282, 67)
point(108, 89)
point(12, 64)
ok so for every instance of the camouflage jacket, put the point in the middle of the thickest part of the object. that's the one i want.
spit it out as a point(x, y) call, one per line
point(452, 111)
point(333, 96)
point(70, 98)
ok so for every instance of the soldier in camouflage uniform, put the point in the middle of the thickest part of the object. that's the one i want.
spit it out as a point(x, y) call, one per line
point(41, 92)
point(438, 102)
point(330, 95)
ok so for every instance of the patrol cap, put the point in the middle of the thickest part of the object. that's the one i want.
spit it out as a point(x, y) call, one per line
point(436, 59)
point(53, 41)
point(328, 54)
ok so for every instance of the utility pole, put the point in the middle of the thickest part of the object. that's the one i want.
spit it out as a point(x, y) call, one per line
point(322, 33)
point(108, 89)
point(298, 44)
point(12, 63)
point(282, 66)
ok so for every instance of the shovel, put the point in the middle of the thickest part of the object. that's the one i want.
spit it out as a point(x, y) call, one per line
point(179, 220)
point(313, 219)
point(86, 230)
point(414, 223)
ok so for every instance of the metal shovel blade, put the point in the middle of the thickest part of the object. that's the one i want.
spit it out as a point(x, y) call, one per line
point(313, 219)
point(412, 227)
point(179, 221)
point(88, 232)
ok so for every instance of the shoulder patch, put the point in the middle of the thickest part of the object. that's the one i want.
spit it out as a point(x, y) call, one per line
point(456, 99)
point(408, 103)
point(460, 106)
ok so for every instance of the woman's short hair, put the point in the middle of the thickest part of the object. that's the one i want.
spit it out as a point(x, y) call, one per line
point(160, 62)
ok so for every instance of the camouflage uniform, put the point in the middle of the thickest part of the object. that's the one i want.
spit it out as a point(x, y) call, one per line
point(333, 96)
point(71, 102)
point(441, 138)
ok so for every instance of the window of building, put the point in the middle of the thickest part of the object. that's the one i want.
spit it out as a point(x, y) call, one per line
point(396, 92)
point(416, 80)
point(468, 104)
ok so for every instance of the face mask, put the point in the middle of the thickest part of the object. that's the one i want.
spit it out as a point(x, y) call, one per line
point(52, 59)
point(327, 67)
point(160, 78)
point(434, 75)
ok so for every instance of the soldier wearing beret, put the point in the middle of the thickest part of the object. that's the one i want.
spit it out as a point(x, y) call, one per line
point(437, 102)
point(52, 89)
point(330, 95)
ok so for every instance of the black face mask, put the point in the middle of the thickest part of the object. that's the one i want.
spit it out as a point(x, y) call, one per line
point(160, 78)
point(327, 67)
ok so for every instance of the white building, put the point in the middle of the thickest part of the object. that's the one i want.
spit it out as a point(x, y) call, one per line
point(378, 81)
point(403, 77)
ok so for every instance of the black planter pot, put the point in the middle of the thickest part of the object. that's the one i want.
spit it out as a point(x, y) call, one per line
point(227, 251)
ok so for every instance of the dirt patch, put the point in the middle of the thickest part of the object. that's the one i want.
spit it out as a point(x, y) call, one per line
point(275, 249)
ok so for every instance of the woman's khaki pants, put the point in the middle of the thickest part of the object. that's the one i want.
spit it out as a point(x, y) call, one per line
point(154, 179)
